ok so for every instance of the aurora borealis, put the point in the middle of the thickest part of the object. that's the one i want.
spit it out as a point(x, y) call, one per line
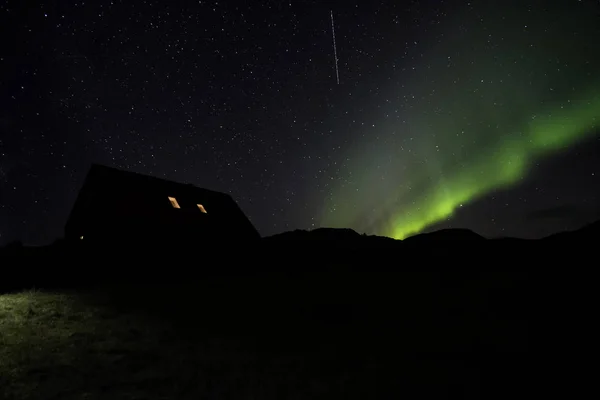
point(501, 90)
point(501, 165)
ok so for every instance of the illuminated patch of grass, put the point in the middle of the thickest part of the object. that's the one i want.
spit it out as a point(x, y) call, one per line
point(63, 346)
point(248, 339)
point(55, 345)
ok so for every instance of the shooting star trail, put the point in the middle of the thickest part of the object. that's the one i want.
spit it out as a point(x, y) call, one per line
point(337, 72)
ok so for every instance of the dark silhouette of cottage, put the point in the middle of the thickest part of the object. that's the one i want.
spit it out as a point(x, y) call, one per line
point(126, 207)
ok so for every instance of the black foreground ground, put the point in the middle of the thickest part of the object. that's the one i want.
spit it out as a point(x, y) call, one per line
point(287, 321)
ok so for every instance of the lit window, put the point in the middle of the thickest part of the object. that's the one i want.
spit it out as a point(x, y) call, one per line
point(174, 202)
point(81, 237)
point(201, 207)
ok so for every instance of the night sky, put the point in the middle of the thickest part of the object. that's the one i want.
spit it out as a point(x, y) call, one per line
point(480, 115)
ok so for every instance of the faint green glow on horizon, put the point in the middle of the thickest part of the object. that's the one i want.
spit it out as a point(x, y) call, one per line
point(500, 167)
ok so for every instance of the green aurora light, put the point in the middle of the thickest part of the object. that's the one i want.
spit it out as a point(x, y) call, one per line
point(487, 116)
point(500, 167)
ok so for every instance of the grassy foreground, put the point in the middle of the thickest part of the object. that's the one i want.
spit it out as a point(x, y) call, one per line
point(58, 346)
point(252, 340)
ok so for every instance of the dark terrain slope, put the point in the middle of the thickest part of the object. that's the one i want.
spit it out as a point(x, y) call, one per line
point(81, 264)
point(443, 315)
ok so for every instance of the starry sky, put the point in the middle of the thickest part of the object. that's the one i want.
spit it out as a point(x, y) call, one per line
point(447, 114)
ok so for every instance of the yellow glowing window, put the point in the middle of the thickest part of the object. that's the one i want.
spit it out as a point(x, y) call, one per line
point(201, 207)
point(174, 202)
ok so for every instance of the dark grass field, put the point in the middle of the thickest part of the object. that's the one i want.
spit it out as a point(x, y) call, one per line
point(337, 333)
point(291, 320)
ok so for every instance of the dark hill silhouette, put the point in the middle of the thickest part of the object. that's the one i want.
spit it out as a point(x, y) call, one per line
point(317, 234)
point(447, 234)
point(586, 233)
point(78, 264)
point(345, 235)
point(337, 235)
point(511, 240)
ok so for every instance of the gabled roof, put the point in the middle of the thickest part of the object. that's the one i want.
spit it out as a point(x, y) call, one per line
point(103, 173)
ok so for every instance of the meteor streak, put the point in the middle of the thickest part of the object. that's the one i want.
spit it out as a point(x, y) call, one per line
point(337, 72)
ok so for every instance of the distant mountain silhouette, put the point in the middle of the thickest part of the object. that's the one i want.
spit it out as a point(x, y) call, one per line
point(587, 232)
point(447, 234)
point(338, 236)
point(345, 235)
point(335, 250)
point(317, 234)
point(349, 235)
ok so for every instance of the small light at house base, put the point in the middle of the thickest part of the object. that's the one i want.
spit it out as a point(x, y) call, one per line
point(81, 237)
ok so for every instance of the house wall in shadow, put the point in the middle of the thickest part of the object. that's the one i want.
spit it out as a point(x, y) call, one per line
point(126, 207)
